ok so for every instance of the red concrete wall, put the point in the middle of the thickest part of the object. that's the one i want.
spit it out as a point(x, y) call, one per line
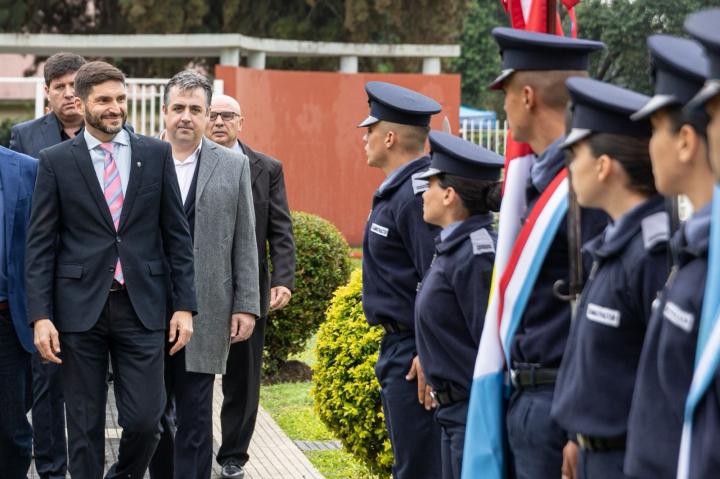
point(308, 121)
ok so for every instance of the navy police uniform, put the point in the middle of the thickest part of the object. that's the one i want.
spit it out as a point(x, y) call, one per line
point(451, 303)
point(594, 388)
point(397, 251)
point(705, 454)
point(667, 360)
point(536, 441)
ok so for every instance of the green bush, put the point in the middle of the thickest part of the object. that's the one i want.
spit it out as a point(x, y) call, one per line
point(346, 391)
point(322, 264)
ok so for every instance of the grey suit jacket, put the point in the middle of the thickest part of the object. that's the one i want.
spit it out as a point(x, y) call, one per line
point(226, 262)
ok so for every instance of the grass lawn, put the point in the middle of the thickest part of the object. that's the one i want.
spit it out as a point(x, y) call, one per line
point(291, 406)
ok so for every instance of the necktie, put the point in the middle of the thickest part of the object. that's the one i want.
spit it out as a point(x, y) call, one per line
point(113, 195)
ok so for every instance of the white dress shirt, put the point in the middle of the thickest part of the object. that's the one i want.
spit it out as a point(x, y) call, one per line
point(121, 152)
point(185, 171)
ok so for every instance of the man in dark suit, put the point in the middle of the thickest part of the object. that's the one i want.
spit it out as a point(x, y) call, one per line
point(17, 179)
point(107, 227)
point(273, 225)
point(64, 120)
point(62, 123)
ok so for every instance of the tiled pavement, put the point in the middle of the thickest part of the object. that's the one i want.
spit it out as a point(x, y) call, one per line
point(272, 454)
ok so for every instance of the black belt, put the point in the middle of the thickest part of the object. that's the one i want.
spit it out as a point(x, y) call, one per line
point(600, 444)
point(393, 327)
point(532, 375)
point(448, 397)
point(116, 286)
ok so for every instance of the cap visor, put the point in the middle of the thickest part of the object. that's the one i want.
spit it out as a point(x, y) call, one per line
point(498, 82)
point(576, 134)
point(371, 120)
point(424, 175)
point(708, 92)
point(656, 103)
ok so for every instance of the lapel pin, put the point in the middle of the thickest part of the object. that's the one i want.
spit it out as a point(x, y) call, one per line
point(139, 164)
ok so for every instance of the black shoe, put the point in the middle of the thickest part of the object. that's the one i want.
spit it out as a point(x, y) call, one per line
point(232, 470)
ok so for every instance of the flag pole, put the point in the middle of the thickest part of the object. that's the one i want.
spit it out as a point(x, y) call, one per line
point(551, 16)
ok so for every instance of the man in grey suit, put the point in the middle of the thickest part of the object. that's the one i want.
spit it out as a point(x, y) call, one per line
point(63, 122)
point(215, 187)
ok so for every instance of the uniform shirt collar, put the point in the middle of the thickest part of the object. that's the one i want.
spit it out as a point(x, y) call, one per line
point(448, 230)
point(547, 165)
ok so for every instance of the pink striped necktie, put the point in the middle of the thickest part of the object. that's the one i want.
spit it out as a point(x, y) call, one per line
point(113, 195)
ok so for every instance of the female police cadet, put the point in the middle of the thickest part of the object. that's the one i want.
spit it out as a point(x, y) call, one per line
point(678, 150)
point(450, 305)
point(610, 170)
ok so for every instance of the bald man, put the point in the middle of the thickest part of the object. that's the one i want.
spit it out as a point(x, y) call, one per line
point(241, 383)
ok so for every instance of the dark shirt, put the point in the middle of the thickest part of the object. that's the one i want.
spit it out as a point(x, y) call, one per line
point(545, 324)
point(64, 136)
point(450, 306)
point(594, 389)
point(397, 248)
point(668, 358)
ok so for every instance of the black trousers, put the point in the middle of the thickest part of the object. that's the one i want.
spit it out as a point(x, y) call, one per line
point(48, 420)
point(185, 448)
point(137, 361)
point(241, 391)
point(15, 390)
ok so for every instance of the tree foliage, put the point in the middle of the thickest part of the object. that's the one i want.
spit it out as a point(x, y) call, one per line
point(374, 21)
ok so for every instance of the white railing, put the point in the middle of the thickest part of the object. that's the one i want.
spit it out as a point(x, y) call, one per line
point(488, 133)
point(145, 98)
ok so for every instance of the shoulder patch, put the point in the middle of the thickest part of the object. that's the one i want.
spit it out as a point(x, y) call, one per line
point(482, 242)
point(655, 229)
point(601, 314)
point(419, 185)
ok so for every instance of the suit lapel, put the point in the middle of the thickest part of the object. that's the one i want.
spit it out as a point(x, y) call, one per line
point(51, 132)
point(136, 169)
point(84, 163)
point(254, 160)
point(207, 165)
point(10, 183)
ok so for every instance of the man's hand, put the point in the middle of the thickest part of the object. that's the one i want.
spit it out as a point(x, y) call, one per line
point(181, 328)
point(279, 297)
point(47, 340)
point(570, 460)
point(423, 388)
point(241, 326)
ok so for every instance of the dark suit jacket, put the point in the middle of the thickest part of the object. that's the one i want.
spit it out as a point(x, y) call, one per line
point(73, 247)
point(18, 180)
point(31, 136)
point(273, 224)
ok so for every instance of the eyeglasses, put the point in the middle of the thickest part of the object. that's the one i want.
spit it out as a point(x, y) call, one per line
point(225, 115)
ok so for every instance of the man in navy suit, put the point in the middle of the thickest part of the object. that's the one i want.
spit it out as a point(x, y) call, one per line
point(17, 179)
point(107, 230)
point(63, 122)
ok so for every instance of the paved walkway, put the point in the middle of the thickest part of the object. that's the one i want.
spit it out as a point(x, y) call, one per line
point(272, 454)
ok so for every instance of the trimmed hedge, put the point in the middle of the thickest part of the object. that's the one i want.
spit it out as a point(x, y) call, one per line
point(322, 264)
point(346, 391)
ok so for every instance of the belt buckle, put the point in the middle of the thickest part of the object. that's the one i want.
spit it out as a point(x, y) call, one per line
point(434, 396)
point(514, 375)
point(583, 442)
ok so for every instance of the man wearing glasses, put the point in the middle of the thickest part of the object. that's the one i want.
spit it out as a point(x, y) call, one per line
point(273, 226)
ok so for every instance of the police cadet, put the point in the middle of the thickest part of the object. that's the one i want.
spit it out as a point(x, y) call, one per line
point(450, 306)
point(678, 150)
point(536, 66)
point(610, 170)
point(397, 251)
point(705, 453)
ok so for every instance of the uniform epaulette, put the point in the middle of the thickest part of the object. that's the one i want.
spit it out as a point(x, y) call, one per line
point(655, 229)
point(482, 242)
